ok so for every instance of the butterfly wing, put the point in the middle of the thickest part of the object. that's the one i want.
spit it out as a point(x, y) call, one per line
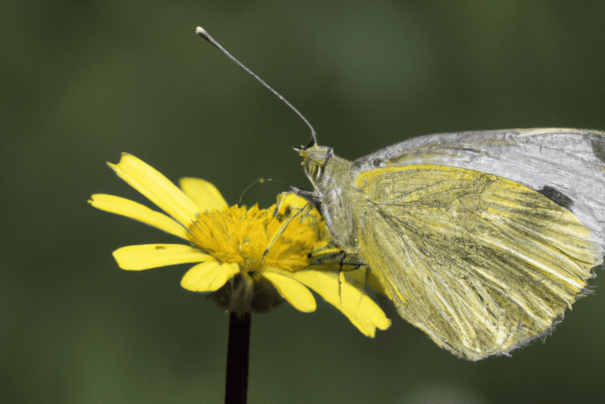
point(480, 263)
point(565, 165)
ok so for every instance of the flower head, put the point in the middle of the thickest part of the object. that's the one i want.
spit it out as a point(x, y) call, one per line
point(249, 259)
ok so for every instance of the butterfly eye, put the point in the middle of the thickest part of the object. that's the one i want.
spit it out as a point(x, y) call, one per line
point(317, 171)
point(309, 168)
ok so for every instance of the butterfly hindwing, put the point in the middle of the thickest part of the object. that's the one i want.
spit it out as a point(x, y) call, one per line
point(480, 263)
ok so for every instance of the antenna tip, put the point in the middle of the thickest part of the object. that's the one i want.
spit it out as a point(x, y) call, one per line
point(201, 32)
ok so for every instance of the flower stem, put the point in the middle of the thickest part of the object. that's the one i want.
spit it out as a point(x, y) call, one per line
point(238, 354)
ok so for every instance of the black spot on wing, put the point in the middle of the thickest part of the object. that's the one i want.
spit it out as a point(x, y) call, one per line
point(598, 147)
point(557, 197)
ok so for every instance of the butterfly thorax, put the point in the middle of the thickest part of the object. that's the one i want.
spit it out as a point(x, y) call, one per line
point(331, 179)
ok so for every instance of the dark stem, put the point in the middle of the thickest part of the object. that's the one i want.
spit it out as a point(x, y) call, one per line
point(238, 354)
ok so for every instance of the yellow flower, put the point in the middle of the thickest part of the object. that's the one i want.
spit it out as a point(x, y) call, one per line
point(247, 258)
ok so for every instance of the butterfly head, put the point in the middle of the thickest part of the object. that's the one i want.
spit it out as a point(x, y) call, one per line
point(314, 161)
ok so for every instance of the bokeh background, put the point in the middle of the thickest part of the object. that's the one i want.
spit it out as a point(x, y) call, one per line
point(82, 82)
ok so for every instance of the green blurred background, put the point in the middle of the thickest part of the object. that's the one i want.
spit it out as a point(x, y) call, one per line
point(84, 81)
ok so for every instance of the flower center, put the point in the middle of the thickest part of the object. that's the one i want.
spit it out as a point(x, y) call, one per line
point(254, 238)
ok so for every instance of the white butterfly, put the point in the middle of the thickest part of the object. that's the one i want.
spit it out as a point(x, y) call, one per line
point(481, 239)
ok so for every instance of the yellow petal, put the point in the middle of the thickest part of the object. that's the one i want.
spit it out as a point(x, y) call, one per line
point(157, 188)
point(296, 294)
point(145, 256)
point(352, 302)
point(204, 194)
point(364, 277)
point(136, 211)
point(209, 276)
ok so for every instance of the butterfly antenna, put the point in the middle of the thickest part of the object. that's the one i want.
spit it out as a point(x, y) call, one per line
point(258, 181)
point(204, 34)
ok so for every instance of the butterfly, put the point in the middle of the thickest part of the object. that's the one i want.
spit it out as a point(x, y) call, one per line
point(481, 239)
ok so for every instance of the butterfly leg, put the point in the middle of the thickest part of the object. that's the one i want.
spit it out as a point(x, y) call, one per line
point(309, 196)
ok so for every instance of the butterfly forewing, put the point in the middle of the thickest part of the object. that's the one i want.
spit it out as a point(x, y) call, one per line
point(566, 165)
